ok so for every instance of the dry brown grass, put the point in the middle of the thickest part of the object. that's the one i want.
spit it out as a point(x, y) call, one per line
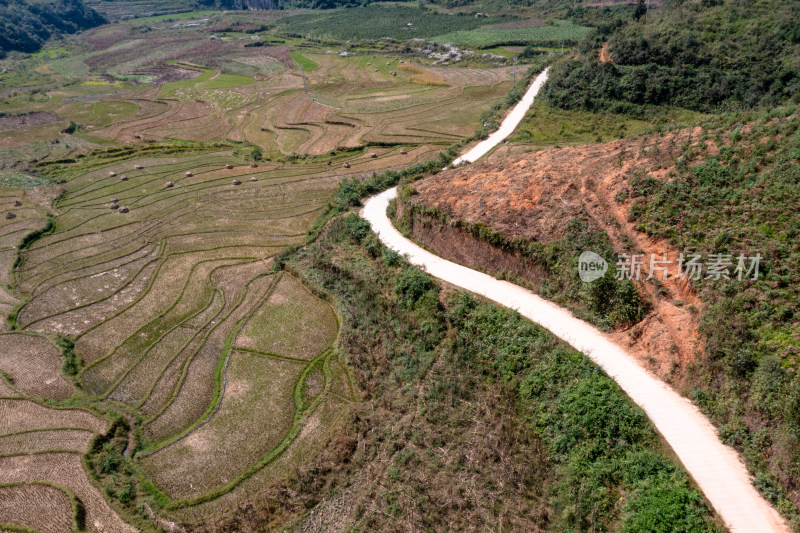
point(35, 365)
point(292, 322)
point(255, 415)
point(66, 470)
point(36, 506)
point(25, 415)
point(71, 440)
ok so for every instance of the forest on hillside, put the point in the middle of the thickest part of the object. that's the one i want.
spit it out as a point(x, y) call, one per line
point(25, 26)
point(714, 55)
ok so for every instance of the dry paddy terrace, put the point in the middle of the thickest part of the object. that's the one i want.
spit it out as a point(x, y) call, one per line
point(151, 353)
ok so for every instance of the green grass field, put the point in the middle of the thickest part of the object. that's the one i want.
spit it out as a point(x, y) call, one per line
point(224, 81)
point(374, 22)
point(560, 30)
point(190, 15)
point(308, 65)
point(170, 89)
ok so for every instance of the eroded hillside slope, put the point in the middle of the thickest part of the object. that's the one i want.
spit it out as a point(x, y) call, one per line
point(722, 191)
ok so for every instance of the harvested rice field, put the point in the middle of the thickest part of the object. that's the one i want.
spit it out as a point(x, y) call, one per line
point(155, 365)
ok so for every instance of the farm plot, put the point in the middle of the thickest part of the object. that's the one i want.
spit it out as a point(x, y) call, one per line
point(555, 32)
point(263, 397)
point(315, 431)
point(158, 263)
point(101, 113)
point(255, 415)
point(197, 387)
point(66, 470)
point(22, 210)
point(62, 440)
point(19, 415)
point(34, 365)
point(36, 506)
point(292, 323)
point(352, 101)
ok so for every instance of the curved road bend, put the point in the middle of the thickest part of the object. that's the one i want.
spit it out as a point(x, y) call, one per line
point(716, 468)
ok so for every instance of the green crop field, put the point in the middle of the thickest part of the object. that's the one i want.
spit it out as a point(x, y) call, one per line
point(559, 31)
point(375, 22)
point(308, 65)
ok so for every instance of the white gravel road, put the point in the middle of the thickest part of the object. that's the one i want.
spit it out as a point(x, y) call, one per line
point(716, 468)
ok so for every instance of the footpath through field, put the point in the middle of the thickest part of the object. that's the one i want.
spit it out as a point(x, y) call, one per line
point(716, 468)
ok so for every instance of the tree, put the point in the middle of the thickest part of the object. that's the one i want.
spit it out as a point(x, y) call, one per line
point(640, 11)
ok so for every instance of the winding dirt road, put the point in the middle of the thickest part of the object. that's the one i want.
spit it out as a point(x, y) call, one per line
point(716, 468)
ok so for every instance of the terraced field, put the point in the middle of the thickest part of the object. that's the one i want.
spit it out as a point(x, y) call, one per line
point(154, 367)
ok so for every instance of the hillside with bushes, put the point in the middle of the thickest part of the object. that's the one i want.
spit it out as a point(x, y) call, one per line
point(26, 25)
point(705, 56)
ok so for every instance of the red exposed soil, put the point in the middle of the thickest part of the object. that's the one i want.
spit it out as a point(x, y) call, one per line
point(536, 195)
point(605, 57)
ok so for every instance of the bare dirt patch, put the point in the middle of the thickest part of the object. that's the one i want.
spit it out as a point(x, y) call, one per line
point(28, 120)
point(605, 56)
point(535, 196)
point(167, 74)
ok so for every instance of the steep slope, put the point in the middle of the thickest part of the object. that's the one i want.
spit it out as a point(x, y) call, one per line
point(722, 192)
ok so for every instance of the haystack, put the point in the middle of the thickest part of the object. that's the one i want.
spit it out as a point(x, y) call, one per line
point(9, 216)
point(114, 200)
point(403, 152)
point(168, 184)
point(346, 165)
point(236, 182)
point(189, 174)
point(373, 155)
point(253, 178)
point(112, 174)
point(123, 209)
point(253, 165)
point(138, 167)
point(114, 207)
point(228, 166)
point(329, 163)
point(17, 203)
point(123, 178)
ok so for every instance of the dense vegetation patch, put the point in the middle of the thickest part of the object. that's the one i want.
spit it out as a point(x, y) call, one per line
point(697, 55)
point(25, 25)
point(735, 191)
point(468, 404)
